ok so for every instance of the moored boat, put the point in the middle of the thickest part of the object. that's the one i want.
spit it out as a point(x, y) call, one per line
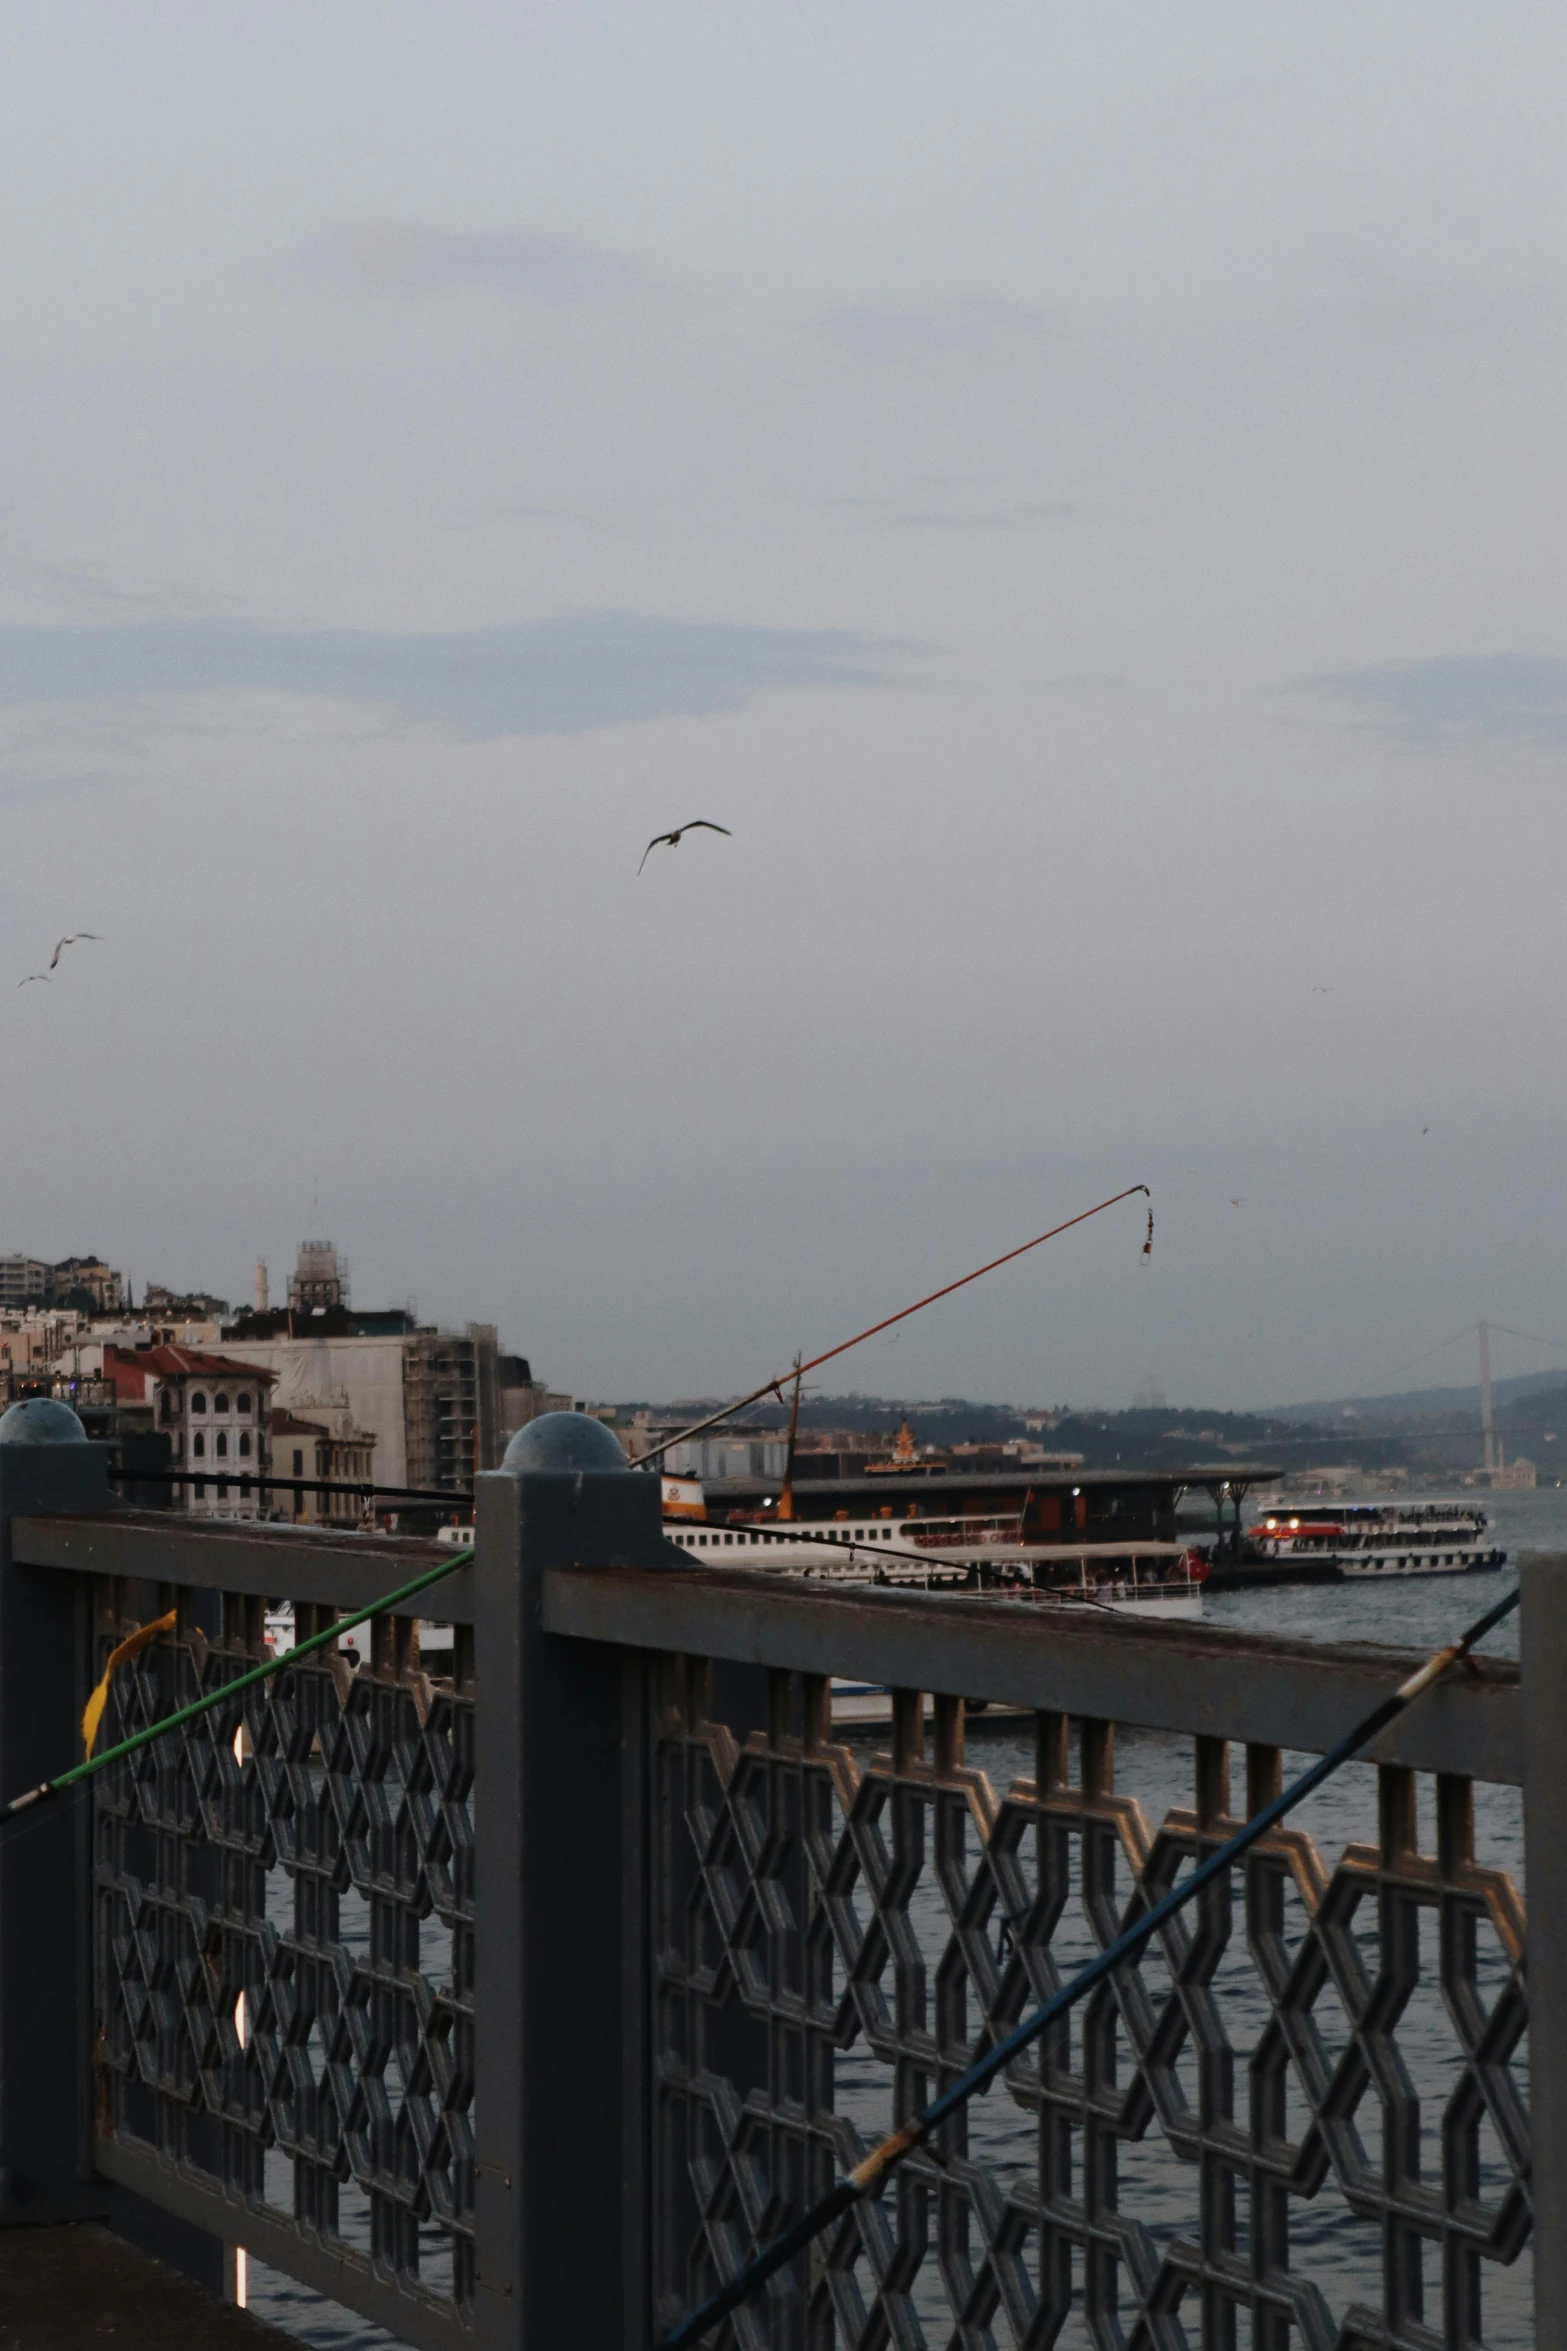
point(1139, 1576)
point(1372, 1539)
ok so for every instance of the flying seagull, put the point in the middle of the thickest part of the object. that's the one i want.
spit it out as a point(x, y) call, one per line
point(697, 824)
point(59, 947)
point(1234, 1203)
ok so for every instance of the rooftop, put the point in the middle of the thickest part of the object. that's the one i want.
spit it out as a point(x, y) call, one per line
point(918, 1485)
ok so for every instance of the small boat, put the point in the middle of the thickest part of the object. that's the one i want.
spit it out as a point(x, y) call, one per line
point(1372, 1539)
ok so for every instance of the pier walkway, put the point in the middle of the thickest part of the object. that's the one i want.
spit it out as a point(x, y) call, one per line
point(78, 2287)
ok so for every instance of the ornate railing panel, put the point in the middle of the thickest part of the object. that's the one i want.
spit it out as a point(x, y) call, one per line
point(284, 1934)
point(1298, 2122)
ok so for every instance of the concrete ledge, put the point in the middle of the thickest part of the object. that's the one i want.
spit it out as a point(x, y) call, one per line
point(1178, 1677)
point(325, 1565)
point(64, 2288)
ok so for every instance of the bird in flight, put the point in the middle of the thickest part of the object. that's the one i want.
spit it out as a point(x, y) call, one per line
point(1320, 991)
point(1236, 1203)
point(60, 945)
point(698, 824)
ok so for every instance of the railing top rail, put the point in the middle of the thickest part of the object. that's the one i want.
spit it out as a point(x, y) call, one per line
point(1198, 1679)
point(324, 1565)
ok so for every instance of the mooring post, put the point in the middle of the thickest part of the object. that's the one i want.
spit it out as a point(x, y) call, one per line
point(559, 1986)
point(1543, 1647)
point(46, 1464)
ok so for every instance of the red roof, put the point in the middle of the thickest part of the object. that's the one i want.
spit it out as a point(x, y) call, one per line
point(131, 1369)
point(289, 1424)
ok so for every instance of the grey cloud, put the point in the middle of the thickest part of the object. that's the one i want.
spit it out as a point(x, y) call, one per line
point(1433, 314)
point(541, 678)
point(977, 326)
point(889, 514)
point(526, 511)
point(404, 257)
point(1479, 698)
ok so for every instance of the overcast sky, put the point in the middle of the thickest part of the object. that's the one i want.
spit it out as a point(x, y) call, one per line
point(1078, 492)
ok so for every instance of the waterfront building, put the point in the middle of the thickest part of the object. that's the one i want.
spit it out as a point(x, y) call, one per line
point(214, 1412)
point(324, 1445)
point(437, 1404)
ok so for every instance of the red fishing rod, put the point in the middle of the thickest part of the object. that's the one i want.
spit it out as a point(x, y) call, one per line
point(797, 1370)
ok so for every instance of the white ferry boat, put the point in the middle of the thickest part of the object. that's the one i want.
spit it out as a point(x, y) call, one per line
point(1380, 1539)
point(1139, 1577)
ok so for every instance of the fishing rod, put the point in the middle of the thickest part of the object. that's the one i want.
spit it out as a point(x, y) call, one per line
point(146, 1633)
point(1128, 1945)
point(219, 1697)
point(798, 1370)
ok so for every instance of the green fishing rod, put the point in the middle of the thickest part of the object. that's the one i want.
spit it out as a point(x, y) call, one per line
point(1128, 1945)
point(220, 1697)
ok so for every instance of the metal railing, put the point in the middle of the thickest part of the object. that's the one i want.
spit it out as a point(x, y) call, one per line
point(722, 1945)
point(1299, 2121)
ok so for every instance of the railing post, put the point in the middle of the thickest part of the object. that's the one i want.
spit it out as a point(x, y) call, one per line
point(46, 1866)
point(1543, 1646)
point(45, 1869)
point(559, 1984)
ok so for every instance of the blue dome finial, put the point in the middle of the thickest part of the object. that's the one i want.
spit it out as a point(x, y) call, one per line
point(567, 1441)
point(41, 1420)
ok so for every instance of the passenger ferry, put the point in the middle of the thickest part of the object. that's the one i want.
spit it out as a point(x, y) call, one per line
point(1140, 1577)
point(1380, 1539)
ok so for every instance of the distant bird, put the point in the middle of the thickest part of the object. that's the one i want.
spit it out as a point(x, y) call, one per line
point(697, 824)
point(35, 975)
point(1425, 1130)
point(1321, 991)
point(1237, 1203)
point(60, 945)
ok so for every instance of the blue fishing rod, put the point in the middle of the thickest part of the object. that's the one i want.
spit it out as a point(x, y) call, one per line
point(1129, 1945)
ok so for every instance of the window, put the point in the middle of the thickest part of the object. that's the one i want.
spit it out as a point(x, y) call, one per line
point(201, 1490)
point(299, 1461)
point(242, 1403)
point(198, 1446)
point(244, 1441)
point(223, 1443)
point(198, 1402)
point(220, 1402)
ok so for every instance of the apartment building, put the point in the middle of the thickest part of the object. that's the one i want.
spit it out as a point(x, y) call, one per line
point(215, 1412)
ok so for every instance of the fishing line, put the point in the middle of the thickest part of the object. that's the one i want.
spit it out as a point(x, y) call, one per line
point(1128, 1945)
point(775, 1387)
point(245, 1681)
